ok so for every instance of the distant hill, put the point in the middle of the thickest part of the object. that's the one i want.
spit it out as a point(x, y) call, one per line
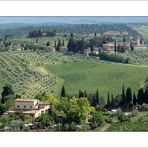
point(23, 30)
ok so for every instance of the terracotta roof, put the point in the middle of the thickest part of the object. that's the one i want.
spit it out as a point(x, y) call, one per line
point(25, 100)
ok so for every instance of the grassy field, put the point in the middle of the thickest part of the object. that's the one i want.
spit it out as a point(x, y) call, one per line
point(33, 72)
point(107, 77)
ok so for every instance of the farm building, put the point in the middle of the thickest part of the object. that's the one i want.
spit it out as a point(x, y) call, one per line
point(32, 107)
point(115, 33)
point(108, 47)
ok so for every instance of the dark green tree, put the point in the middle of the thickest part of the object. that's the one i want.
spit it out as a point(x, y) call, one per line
point(108, 105)
point(7, 90)
point(128, 95)
point(123, 95)
point(48, 43)
point(140, 96)
point(97, 97)
point(63, 94)
point(59, 45)
point(134, 99)
point(115, 47)
point(63, 43)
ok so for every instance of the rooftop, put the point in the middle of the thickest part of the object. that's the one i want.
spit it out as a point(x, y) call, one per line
point(25, 100)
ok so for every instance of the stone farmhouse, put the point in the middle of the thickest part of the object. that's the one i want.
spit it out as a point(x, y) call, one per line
point(32, 107)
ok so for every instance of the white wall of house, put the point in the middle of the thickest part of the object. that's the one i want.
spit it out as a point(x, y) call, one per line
point(26, 105)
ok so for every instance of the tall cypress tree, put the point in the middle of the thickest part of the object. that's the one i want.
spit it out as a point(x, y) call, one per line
point(128, 95)
point(59, 45)
point(85, 93)
point(108, 101)
point(134, 99)
point(115, 47)
point(97, 97)
point(63, 43)
point(123, 95)
point(140, 96)
point(55, 44)
point(63, 94)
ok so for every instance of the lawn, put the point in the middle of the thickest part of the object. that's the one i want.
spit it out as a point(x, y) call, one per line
point(107, 77)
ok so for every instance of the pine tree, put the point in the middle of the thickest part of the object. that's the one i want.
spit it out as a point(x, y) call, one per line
point(63, 94)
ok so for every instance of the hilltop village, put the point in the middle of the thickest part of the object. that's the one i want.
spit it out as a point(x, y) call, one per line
point(110, 41)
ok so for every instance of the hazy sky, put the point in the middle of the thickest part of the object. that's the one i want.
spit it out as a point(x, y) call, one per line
point(68, 19)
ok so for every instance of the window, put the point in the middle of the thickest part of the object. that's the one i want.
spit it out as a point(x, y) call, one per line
point(18, 106)
point(24, 106)
point(30, 106)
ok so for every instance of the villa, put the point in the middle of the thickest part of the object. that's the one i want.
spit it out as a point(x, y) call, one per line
point(32, 107)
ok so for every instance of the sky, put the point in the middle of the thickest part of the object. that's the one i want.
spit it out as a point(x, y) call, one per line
point(74, 20)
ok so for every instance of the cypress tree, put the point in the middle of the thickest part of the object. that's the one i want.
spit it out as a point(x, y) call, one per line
point(85, 93)
point(55, 44)
point(97, 97)
point(134, 99)
point(115, 48)
point(128, 95)
point(59, 45)
point(63, 43)
point(63, 94)
point(140, 96)
point(123, 95)
point(79, 93)
point(48, 43)
point(94, 103)
point(108, 101)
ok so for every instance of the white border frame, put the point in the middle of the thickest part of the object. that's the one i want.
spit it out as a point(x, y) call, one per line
point(74, 8)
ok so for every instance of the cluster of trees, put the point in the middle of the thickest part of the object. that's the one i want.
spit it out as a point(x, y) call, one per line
point(128, 99)
point(41, 33)
point(7, 98)
point(59, 44)
point(95, 99)
point(71, 114)
point(93, 28)
point(113, 57)
point(78, 45)
point(68, 28)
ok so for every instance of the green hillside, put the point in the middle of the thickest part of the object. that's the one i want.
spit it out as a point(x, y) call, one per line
point(24, 70)
point(31, 73)
point(142, 29)
point(107, 77)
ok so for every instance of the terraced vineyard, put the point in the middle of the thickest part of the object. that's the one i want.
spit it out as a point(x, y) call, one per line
point(24, 70)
